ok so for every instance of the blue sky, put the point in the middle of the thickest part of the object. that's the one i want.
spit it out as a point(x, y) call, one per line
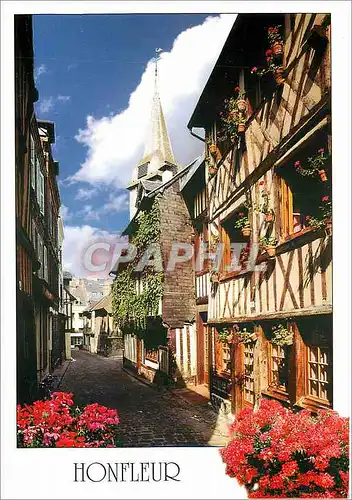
point(94, 82)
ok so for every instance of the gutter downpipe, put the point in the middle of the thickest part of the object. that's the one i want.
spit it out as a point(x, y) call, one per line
point(195, 135)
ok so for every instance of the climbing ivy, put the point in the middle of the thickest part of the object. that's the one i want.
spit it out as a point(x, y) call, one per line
point(132, 311)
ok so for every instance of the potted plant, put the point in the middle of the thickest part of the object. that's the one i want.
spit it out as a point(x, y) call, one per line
point(275, 41)
point(214, 276)
point(233, 116)
point(269, 245)
point(212, 171)
point(242, 222)
point(324, 220)
point(281, 335)
point(244, 336)
point(315, 166)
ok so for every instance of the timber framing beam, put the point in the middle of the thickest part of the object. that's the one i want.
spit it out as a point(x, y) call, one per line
point(296, 313)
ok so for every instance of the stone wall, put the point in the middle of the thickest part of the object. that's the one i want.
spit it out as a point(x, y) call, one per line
point(178, 305)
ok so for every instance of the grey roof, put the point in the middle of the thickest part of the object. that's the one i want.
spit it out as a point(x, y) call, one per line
point(150, 185)
point(193, 169)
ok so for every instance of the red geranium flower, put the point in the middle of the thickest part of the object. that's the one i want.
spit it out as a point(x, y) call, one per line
point(297, 163)
point(254, 69)
point(307, 217)
point(240, 214)
point(321, 150)
point(325, 198)
point(268, 52)
point(261, 183)
point(237, 89)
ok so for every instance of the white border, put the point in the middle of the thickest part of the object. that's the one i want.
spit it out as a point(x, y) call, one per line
point(48, 473)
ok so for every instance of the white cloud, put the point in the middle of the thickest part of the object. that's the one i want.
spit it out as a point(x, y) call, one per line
point(88, 213)
point(115, 143)
point(65, 213)
point(86, 194)
point(46, 105)
point(78, 240)
point(40, 71)
point(63, 98)
point(117, 203)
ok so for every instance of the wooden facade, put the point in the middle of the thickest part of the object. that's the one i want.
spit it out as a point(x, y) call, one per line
point(289, 123)
point(40, 326)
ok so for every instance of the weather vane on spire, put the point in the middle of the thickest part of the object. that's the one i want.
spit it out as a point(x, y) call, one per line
point(156, 59)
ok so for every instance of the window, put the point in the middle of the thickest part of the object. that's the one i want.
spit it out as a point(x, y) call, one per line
point(45, 264)
point(33, 164)
point(201, 238)
point(300, 196)
point(235, 245)
point(278, 376)
point(226, 358)
point(248, 372)
point(40, 189)
point(318, 372)
point(40, 250)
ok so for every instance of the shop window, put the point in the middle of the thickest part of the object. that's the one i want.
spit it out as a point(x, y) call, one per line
point(248, 372)
point(278, 369)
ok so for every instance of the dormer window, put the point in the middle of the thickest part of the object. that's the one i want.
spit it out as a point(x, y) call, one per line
point(142, 170)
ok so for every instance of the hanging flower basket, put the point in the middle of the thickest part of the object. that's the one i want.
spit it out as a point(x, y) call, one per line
point(323, 176)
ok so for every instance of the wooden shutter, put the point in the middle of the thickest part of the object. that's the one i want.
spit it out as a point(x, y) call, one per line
point(226, 256)
point(286, 209)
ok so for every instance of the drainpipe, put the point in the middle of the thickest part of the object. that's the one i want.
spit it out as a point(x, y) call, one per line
point(195, 135)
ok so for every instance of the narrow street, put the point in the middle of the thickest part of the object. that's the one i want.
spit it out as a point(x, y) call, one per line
point(148, 416)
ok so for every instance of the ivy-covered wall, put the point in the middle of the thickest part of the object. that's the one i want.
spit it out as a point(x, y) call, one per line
point(131, 309)
point(165, 222)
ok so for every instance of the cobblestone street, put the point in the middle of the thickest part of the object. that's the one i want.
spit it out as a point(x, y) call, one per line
point(148, 416)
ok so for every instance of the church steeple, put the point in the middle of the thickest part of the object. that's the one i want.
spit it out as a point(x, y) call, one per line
point(158, 163)
point(157, 149)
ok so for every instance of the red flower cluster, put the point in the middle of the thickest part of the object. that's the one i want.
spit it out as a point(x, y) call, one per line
point(55, 423)
point(277, 453)
point(325, 198)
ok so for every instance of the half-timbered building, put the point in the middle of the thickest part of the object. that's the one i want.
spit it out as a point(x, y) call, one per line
point(268, 179)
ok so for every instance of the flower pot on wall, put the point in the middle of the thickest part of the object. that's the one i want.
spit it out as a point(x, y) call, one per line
point(278, 74)
point(277, 48)
point(269, 217)
point(246, 231)
point(241, 127)
point(323, 176)
point(271, 250)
